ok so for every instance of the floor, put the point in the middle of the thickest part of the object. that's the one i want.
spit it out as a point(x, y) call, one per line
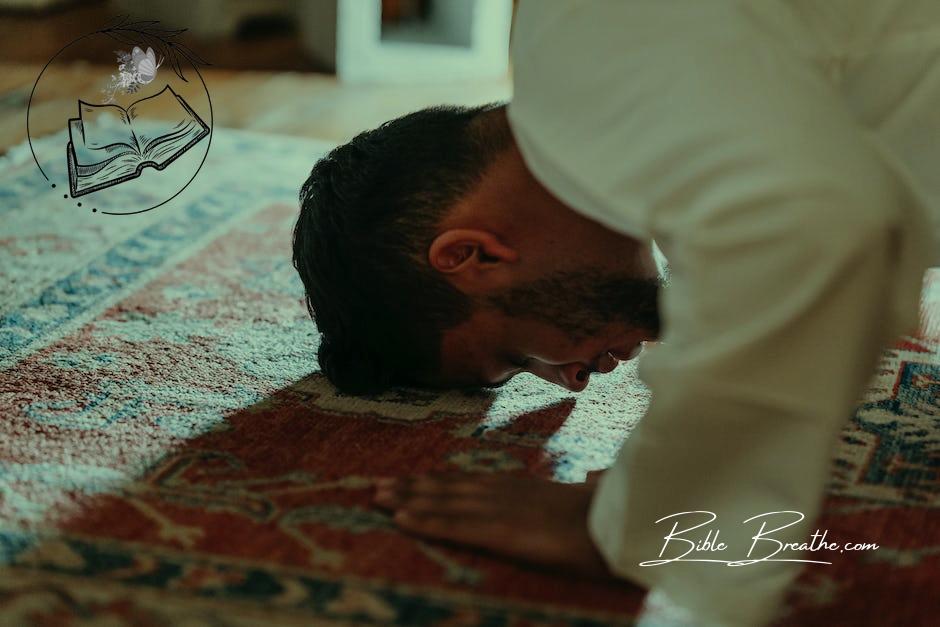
point(285, 93)
point(299, 104)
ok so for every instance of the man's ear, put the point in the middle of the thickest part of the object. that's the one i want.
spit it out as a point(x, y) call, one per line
point(470, 256)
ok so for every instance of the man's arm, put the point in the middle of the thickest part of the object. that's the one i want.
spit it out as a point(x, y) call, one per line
point(793, 259)
point(768, 343)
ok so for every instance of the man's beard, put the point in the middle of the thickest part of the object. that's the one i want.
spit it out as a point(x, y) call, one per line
point(582, 304)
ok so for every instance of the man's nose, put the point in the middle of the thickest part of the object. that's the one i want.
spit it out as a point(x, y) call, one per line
point(607, 363)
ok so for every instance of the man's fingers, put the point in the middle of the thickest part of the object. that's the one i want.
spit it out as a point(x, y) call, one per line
point(433, 492)
point(388, 498)
point(435, 484)
point(466, 530)
point(450, 484)
point(447, 506)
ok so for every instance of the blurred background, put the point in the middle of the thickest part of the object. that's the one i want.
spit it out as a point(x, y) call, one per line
point(319, 68)
point(291, 35)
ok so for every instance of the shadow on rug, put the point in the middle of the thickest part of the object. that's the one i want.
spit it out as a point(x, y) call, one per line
point(167, 453)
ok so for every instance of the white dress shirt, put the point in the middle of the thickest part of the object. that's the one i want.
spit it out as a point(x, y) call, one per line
point(785, 156)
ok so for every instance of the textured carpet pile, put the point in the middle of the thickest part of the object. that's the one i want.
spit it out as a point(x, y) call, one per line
point(169, 454)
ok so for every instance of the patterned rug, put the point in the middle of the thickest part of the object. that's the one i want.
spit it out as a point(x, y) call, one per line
point(168, 454)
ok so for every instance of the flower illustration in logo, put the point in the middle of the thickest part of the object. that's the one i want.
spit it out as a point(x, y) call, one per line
point(134, 69)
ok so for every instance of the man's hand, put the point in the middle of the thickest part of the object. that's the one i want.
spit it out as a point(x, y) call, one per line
point(527, 518)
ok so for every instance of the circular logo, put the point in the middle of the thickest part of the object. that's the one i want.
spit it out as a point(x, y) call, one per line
point(128, 133)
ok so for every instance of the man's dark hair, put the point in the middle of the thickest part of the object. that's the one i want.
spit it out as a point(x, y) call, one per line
point(368, 213)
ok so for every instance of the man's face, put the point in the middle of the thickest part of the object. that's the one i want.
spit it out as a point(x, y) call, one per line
point(554, 292)
point(561, 328)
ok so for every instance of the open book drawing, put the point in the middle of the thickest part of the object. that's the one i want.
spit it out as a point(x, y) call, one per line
point(109, 144)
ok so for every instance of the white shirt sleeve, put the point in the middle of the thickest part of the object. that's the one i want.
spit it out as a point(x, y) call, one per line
point(795, 254)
